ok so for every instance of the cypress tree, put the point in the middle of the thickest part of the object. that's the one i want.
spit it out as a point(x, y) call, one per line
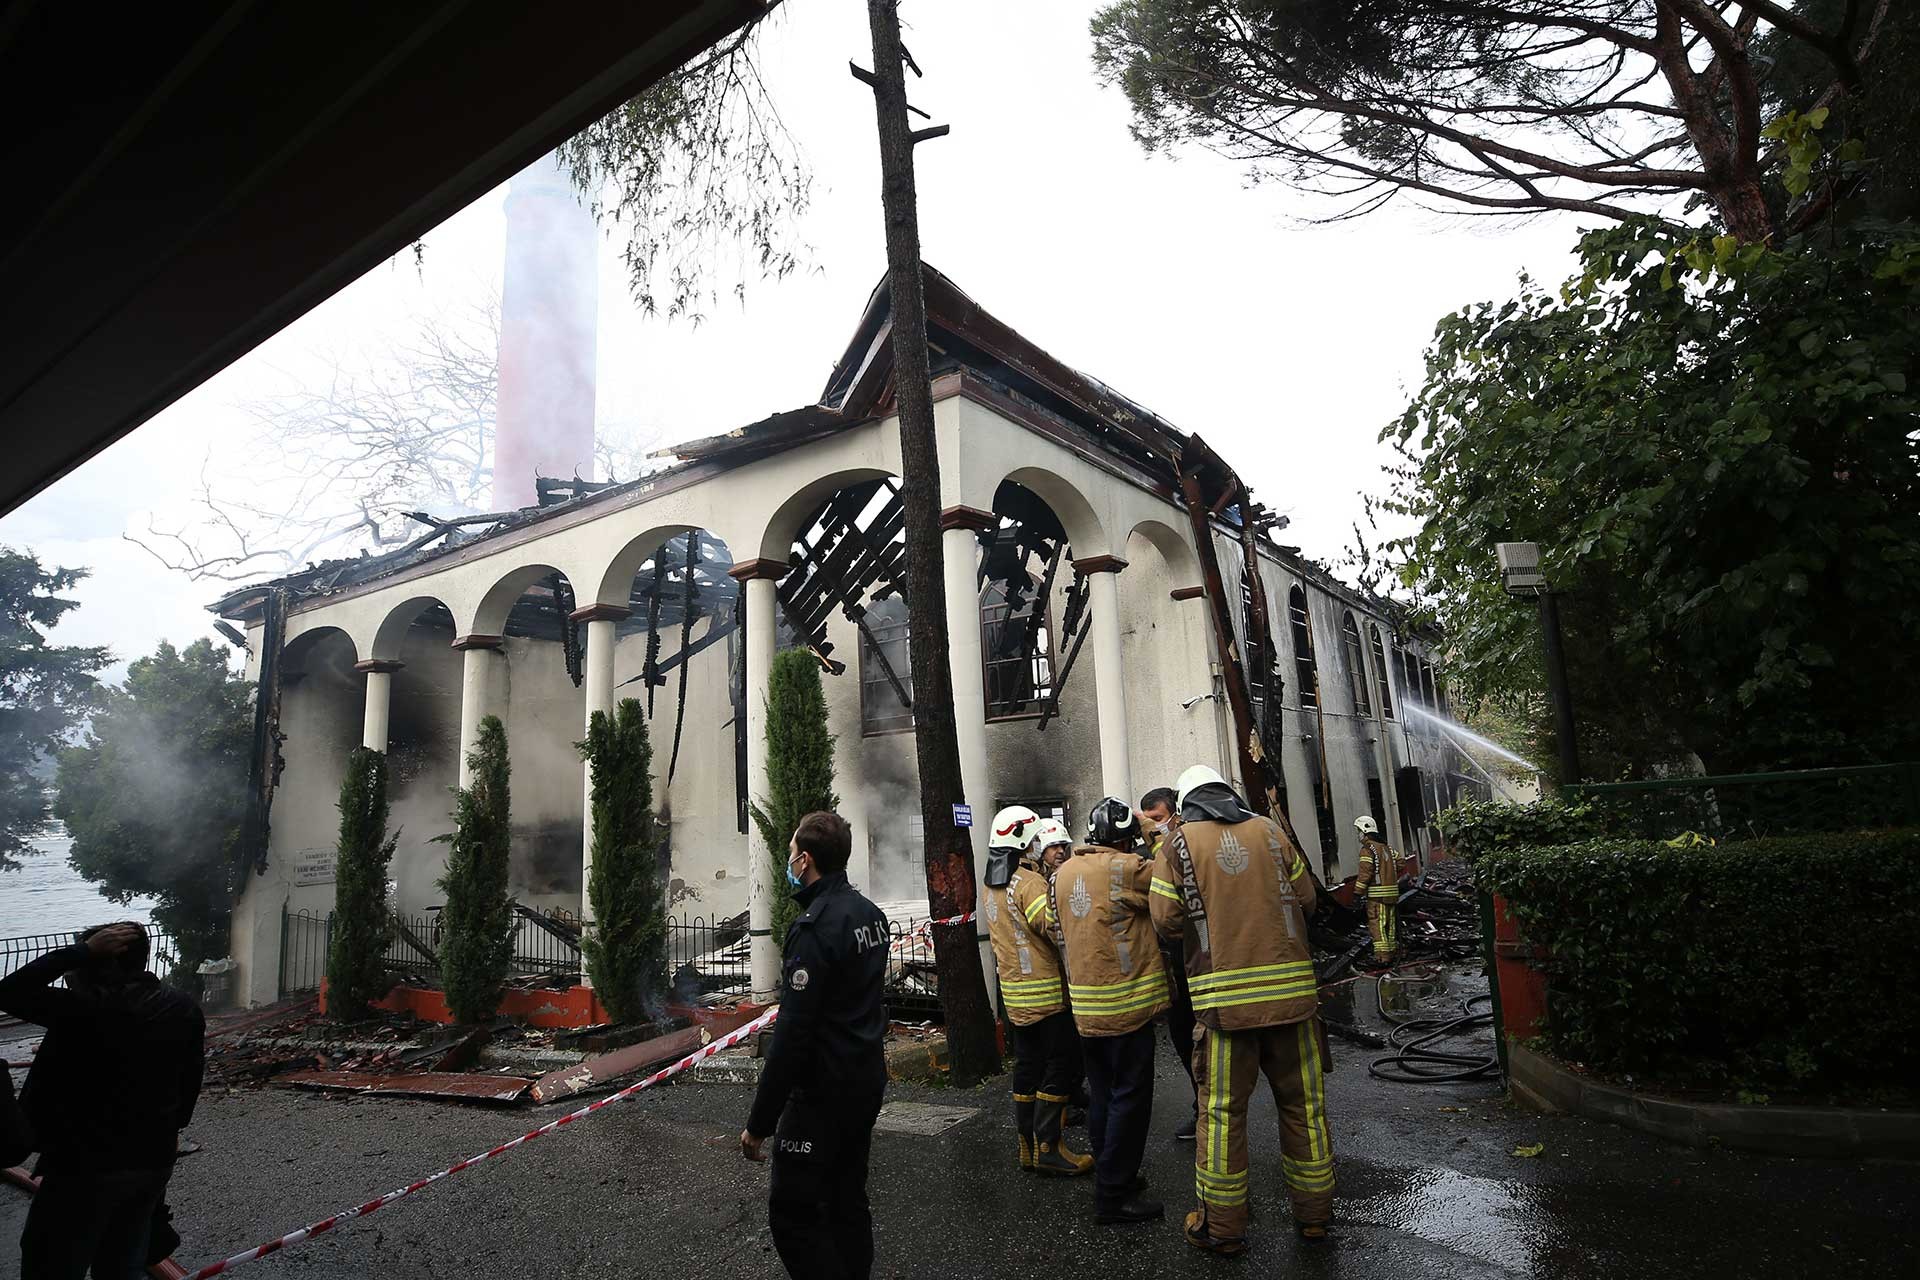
point(799, 769)
point(626, 950)
point(362, 925)
point(476, 938)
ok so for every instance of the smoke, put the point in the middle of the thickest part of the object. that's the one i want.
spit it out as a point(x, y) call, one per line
point(889, 795)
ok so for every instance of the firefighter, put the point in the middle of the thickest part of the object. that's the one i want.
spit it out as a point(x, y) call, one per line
point(1045, 1045)
point(1239, 892)
point(1098, 904)
point(824, 1076)
point(1160, 818)
point(1379, 880)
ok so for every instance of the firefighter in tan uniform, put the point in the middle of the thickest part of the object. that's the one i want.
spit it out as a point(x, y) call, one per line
point(1379, 881)
point(1098, 903)
point(1046, 1057)
point(1239, 892)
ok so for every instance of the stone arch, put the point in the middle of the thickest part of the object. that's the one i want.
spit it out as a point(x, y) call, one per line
point(1077, 516)
point(790, 519)
point(1183, 564)
point(392, 632)
point(489, 617)
point(325, 647)
point(614, 585)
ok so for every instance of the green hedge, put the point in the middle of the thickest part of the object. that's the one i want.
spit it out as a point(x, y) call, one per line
point(1773, 963)
point(1474, 827)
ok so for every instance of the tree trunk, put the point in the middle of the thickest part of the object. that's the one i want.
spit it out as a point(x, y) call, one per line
point(949, 851)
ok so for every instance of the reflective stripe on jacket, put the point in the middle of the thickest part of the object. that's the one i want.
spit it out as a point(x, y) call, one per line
point(1029, 967)
point(1098, 903)
point(1379, 874)
point(1241, 895)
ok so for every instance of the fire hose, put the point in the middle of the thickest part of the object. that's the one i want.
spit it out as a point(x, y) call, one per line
point(1415, 1062)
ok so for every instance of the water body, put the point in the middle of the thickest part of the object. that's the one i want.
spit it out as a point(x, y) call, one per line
point(46, 895)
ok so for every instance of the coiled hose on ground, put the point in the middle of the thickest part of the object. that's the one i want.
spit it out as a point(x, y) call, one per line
point(1416, 1063)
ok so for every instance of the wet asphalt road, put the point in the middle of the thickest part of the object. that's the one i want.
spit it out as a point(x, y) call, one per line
point(654, 1187)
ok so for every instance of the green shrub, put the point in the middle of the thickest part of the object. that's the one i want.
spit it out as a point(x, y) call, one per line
point(799, 769)
point(362, 925)
point(1769, 962)
point(1474, 827)
point(626, 950)
point(476, 939)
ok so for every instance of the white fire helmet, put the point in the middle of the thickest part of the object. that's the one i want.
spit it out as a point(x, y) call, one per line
point(1053, 832)
point(1014, 827)
point(1366, 826)
point(1195, 778)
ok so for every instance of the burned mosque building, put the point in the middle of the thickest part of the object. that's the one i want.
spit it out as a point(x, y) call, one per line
point(1134, 614)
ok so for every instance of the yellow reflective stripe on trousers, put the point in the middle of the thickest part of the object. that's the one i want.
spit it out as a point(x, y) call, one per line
point(1308, 1175)
point(1165, 890)
point(1225, 1190)
point(1383, 891)
point(1314, 1096)
point(1255, 973)
point(1219, 1104)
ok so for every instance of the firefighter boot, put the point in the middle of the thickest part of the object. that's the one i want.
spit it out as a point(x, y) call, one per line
point(1200, 1235)
point(1050, 1153)
point(1023, 1124)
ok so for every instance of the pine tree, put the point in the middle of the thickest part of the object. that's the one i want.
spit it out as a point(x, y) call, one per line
point(362, 925)
point(799, 769)
point(626, 949)
point(476, 940)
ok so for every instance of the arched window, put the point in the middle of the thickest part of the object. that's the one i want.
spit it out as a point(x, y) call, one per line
point(1302, 648)
point(1381, 681)
point(1356, 664)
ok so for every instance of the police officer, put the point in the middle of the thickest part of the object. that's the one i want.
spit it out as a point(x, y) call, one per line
point(1379, 881)
point(1046, 1047)
point(1117, 985)
point(1159, 819)
point(1240, 891)
point(820, 1090)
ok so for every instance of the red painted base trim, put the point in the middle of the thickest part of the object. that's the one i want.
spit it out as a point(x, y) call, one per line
point(563, 1009)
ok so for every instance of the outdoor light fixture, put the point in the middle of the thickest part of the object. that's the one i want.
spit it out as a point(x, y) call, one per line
point(1520, 568)
point(1196, 700)
point(1520, 574)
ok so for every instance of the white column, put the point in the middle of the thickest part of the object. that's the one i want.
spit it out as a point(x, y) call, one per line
point(477, 659)
point(1109, 686)
point(762, 624)
point(960, 559)
point(379, 673)
point(600, 620)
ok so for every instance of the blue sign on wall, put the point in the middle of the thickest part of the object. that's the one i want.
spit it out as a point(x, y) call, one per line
point(963, 815)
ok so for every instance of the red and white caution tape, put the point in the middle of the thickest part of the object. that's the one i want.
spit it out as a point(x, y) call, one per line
point(360, 1211)
point(926, 926)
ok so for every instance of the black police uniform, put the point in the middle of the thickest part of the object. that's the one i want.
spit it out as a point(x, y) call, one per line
point(823, 1081)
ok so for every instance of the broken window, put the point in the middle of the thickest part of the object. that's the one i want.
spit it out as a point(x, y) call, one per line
point(1016, 641)
point(1356, 664)
point(886, 674)
point(1383, 683)
point(1304, 674)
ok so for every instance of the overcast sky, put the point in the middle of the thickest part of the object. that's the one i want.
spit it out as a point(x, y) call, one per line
point(1212, 302)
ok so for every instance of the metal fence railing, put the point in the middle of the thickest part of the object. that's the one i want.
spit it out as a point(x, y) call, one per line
point(1750, 805)
point(16, 953)
point(703, 956)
